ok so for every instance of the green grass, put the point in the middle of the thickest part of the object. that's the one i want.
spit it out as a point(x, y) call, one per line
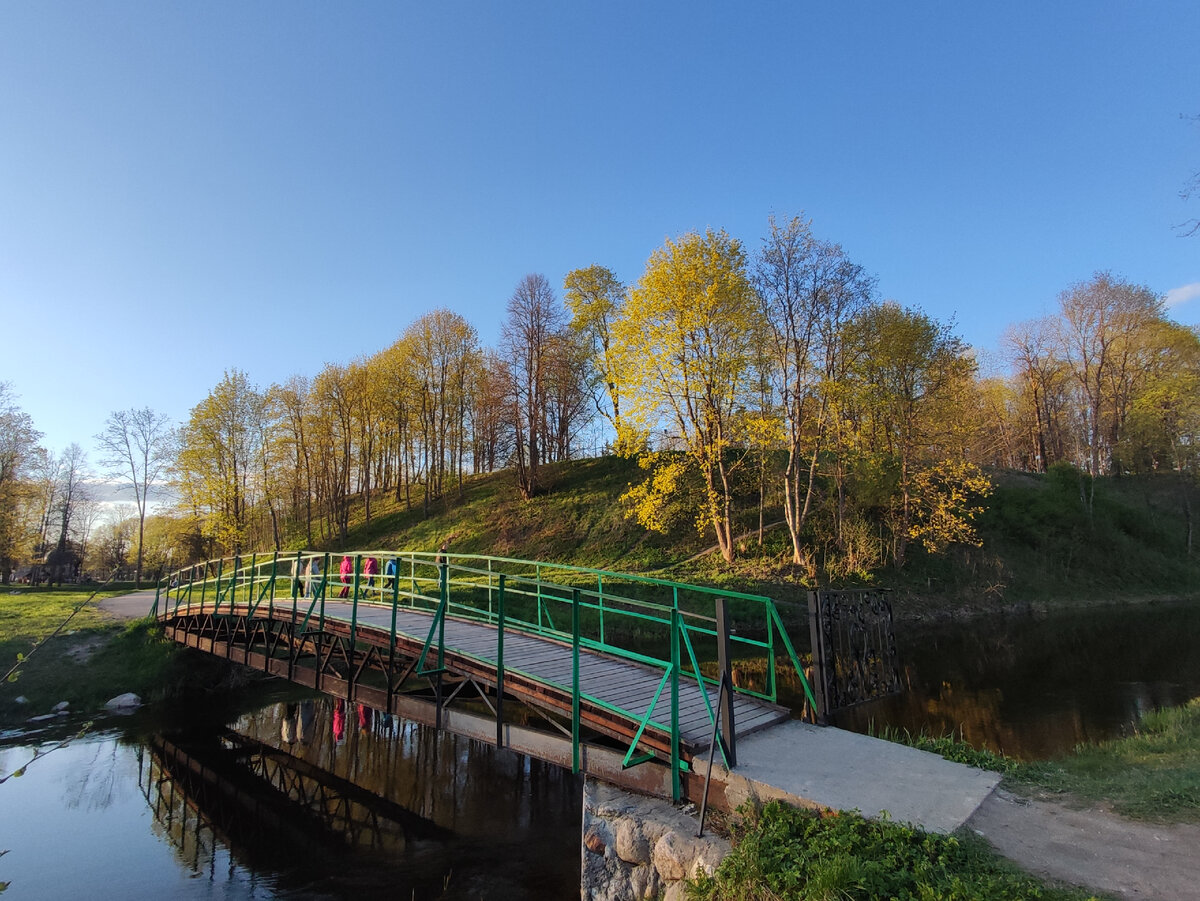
point(783, 852)
point(94, 659)
point(1152, 775)
point(29, 614)
point(952, 748)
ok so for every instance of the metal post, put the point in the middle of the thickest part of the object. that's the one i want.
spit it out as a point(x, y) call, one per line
point(443, 604)
point(353, 626)
point(600, 603)
point(392, 642)
point(500, 665)
point(575, 761)
point(217, 592)
point(725, 700)
point(820, 688)
point(676, 780)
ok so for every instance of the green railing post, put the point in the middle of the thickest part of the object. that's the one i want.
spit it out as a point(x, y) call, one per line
point(600, 603)
point(154, 609)
point(274, 575)
point(354, 609)
point(772, 688)
point(324, 591)
point(499, 662)
point(217, 591)
point(444, 604)
point(575, 755)
point(676, 780)
point(250, 580)
point(392, 643)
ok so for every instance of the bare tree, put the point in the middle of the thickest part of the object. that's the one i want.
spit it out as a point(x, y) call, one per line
point(1101, 319)
point(71, 492)
point(1191, 188)
point(138, 447)
point(527, 338)
point(809, 290)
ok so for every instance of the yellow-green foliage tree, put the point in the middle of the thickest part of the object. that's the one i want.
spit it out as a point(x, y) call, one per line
point(594, 297)
point(18, 443)
point(216, 475)
point(913, 379)
point(685, 343)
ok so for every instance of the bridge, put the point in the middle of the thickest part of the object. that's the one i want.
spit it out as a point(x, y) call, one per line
point(645, 683)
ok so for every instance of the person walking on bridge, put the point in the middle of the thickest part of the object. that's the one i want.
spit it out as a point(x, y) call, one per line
point(347, 571)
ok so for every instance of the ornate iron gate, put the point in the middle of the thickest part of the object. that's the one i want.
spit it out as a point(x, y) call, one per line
point(854, 648)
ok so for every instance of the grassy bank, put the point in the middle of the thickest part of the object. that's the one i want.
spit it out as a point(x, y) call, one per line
point(1152, 775)
point(782, 852)
point(94, 659)
point(1042, 545)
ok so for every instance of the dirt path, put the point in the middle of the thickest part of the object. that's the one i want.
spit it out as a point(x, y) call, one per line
point(1093, 848)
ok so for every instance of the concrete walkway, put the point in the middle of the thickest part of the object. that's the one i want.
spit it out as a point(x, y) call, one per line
point(129, 606)
point(814, 766)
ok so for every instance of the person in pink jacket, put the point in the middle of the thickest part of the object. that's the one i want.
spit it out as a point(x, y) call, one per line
point(347, 572)
point(370, 570)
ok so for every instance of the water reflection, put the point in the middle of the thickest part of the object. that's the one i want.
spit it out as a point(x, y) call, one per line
point(1037, 686)
point(277, 806)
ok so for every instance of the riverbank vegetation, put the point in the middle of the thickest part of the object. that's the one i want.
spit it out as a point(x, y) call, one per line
point(783, 852)
point(1151, 774)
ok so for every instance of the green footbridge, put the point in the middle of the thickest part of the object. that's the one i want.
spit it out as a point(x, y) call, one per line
point(616, 675)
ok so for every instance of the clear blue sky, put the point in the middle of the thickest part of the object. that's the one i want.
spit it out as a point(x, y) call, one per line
point(189, 187)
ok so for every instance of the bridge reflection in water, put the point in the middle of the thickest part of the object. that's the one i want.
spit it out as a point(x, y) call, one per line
point(347, 801)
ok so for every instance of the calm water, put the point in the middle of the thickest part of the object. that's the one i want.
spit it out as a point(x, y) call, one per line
point(1036, 686)
point(303, 800)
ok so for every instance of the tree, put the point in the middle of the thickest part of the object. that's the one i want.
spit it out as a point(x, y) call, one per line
point(527, 339)
point(594, 297)
point(1191, 188)
point(686, 341)
point(138, 447)
point(1100, 322)
point(18, 443)
point(70, 492)
point(911, 376)
point(217, 452)
point(809, 289)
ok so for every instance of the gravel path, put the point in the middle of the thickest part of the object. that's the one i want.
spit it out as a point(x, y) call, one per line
point(1093, 848)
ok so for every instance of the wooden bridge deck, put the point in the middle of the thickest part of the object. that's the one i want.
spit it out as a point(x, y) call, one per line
point(624, 684)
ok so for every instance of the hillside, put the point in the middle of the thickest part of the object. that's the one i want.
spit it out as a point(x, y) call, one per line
point(1040, 544)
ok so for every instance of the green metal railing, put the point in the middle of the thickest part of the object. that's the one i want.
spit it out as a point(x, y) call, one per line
point(668, 626)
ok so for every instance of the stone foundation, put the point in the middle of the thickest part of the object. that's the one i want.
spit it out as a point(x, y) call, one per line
point(636, 847)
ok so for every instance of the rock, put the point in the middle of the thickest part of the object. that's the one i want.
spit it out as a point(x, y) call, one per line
point(632, 845)
point(61, 707)
point(125, 703)
point(708, 858)
point(643, 882)
point(670, 857)
point(594, 841)
point(676, 891)
point(20, 699)
point(41, 719)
